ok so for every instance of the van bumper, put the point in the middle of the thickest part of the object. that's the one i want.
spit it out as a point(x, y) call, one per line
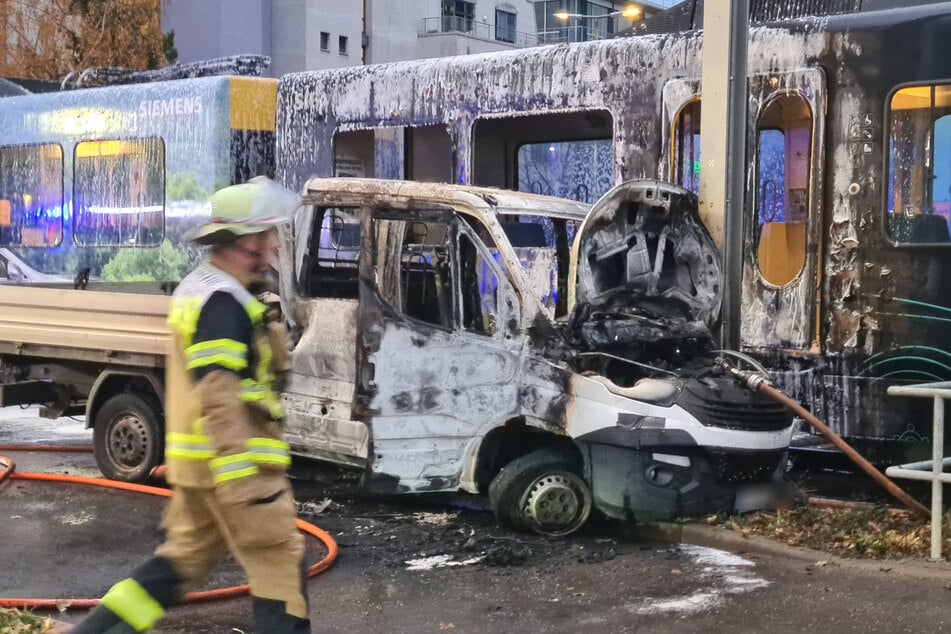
point(666, 483)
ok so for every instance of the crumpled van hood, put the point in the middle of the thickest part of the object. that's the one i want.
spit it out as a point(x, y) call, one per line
point(648, 275)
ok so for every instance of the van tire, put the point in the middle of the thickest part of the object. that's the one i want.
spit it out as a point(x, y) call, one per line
point(128, 438)
point(541, 492)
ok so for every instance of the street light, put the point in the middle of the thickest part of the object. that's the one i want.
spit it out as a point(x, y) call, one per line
point(631, 11)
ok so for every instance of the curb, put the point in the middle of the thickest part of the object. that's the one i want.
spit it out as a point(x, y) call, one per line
point(726, 539)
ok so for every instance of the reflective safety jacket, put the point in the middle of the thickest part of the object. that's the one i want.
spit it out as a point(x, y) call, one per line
point(223, 416)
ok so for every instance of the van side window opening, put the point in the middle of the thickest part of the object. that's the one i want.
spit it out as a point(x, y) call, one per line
point(686, 147)
point(330, 264)
point(119, 193)
point(446, 274)
point(422, 287)
point(31, 195)
point(918, 199)
point(783, 158)
point(542, 245)
point(481, 277)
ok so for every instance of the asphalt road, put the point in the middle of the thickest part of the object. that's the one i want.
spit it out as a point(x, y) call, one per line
point(438, 565)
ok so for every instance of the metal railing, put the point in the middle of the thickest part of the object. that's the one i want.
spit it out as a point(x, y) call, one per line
point(933, 469)
point(480, 30)
point(576, 33)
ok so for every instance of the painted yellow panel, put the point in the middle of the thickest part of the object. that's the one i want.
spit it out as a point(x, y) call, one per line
point(918, 97)
point(253, 103)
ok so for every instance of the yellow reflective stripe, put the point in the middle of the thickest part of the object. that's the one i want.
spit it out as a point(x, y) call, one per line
point(224, 352)
point(188, 439)
point(256, 311)
point(254, 392)
point(131, 603)
point(183, 317)
point(188, 446)
point(227, 468)
point(270, 451)
point(265, 356)
point(251, 390)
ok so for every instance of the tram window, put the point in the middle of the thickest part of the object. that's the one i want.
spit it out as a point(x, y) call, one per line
point(119, 193)
point(579, 170)
point(918, 199)
point(31, 195)
point(784, 151)
point(686, 147)
point(329, 267)
point(420, 153)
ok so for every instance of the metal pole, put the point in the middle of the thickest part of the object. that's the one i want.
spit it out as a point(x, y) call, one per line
point(723, 146)
point(937, 467)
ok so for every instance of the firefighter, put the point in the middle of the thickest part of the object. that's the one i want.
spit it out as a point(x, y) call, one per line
point(226, 460)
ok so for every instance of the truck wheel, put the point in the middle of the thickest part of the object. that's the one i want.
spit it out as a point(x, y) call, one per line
point(127, 434)
point(541, 492)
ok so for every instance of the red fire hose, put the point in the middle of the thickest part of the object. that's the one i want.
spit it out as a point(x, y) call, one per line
point(7, 473)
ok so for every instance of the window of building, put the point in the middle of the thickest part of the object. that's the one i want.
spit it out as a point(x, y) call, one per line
point(342, 42)
point(329, 265)
point(31, 195)
point(686, 147)
point(325, 41)
point(119, 192)
point(504, 26)
point(783, 159)
point(458, 15)
point(918, 198)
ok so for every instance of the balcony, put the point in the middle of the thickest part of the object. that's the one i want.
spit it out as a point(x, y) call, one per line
point(572, 34)
point(448, 25)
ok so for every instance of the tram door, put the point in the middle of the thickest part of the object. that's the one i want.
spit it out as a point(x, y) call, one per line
point(782, 218)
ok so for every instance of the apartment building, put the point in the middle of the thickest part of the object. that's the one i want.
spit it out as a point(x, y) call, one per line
point(318, 34)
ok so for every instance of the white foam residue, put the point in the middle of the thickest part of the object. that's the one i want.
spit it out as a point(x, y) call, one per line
point(723, 573)
point(438, 561)
point(714, 557)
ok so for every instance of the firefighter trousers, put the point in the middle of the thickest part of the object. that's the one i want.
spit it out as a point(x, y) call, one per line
point(261, 535)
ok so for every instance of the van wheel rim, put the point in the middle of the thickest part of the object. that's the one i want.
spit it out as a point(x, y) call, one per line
point(554, 502)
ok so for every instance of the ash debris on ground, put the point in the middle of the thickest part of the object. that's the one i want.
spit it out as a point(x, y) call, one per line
point(388, 533)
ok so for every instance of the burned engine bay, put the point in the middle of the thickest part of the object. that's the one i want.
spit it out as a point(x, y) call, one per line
point(648, 286)
point(648, 297)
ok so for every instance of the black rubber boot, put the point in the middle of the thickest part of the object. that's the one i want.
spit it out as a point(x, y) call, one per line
point(160, 580)
point(270, 618)
point(101, 620)
point(157, 577)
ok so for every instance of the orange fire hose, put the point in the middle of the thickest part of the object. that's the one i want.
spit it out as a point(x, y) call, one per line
point(8, 468)
point(757, 381)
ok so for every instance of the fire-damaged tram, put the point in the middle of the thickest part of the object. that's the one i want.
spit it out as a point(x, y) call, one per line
point(442, 343)
point(845, 252)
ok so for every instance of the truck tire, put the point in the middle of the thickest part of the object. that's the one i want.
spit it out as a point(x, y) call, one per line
point(541, 492)
point(128, 438)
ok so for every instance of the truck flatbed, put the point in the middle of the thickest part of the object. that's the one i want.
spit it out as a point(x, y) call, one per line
point(118, 328)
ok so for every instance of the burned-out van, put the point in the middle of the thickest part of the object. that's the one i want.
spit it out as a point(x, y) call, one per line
point(521, 346)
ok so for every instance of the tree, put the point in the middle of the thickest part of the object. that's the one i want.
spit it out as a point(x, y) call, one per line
point(47, 39)
point(163, 264)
